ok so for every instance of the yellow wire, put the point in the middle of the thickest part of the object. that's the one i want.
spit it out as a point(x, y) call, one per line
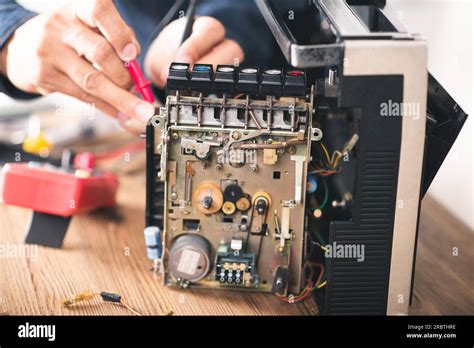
point(322, 284)
point(326, 152)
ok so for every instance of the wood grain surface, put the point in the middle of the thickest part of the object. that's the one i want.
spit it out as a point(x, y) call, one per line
point(105, 252)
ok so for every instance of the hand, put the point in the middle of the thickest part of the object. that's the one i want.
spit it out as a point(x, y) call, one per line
point(207, 44)
point(78, 50)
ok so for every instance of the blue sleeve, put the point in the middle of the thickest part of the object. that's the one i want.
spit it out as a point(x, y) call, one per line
point(12, 16)
point(241, 18)
point(245, 25)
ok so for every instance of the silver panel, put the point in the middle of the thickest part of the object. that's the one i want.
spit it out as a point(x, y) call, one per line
point(407, 58)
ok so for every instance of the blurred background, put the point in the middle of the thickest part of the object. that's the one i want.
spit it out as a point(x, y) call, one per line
point(446, 24)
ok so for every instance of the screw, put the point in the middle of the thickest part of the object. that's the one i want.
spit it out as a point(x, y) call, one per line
point(292, 150)
point(218, 166)
point(175, 136)
point(244, 228)
point(236, 135)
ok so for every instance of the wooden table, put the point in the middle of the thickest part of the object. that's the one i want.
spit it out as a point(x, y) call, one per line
point(107, 253)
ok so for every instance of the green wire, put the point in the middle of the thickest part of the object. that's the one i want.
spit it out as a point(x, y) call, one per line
point(326, 195)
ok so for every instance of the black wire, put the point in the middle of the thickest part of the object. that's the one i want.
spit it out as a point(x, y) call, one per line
point(165, 20)
point(190, 13)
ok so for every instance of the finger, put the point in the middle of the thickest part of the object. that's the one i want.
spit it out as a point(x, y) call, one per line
point(102, 14)
point(96, 49)
point(227, 52)
point(98, 85)
point(207, 33)
point(63, 84)
point(154, 67)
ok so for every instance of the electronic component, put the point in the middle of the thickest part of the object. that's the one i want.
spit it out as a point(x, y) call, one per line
point(235, 269)
point(54, 194)
point(190, 258)
point(274, 171)
point(25, 185)
point(226, 165)
point(153, 242)
point(311, 185)
point(89, 295)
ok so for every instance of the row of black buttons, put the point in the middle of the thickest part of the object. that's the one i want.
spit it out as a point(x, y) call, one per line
point(230, 79)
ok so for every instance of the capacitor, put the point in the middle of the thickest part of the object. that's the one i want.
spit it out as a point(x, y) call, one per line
point(153, 242)
point(311, 184)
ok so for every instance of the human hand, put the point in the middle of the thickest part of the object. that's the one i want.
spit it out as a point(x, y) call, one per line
point(78, 50)
point(207, 44)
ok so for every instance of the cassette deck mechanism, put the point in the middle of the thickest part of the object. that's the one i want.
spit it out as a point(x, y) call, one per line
point(234, 172)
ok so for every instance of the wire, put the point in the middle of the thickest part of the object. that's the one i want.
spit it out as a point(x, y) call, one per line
point(325, 150)
point(165, 20)
point(326, 196)
point(332, 165)
point(190, 13)
point(323, 284)
point(89, 295)
point(310, 287)
point(122, 302)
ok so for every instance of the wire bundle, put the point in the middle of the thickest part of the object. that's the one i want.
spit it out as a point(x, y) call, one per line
point(310, 286)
